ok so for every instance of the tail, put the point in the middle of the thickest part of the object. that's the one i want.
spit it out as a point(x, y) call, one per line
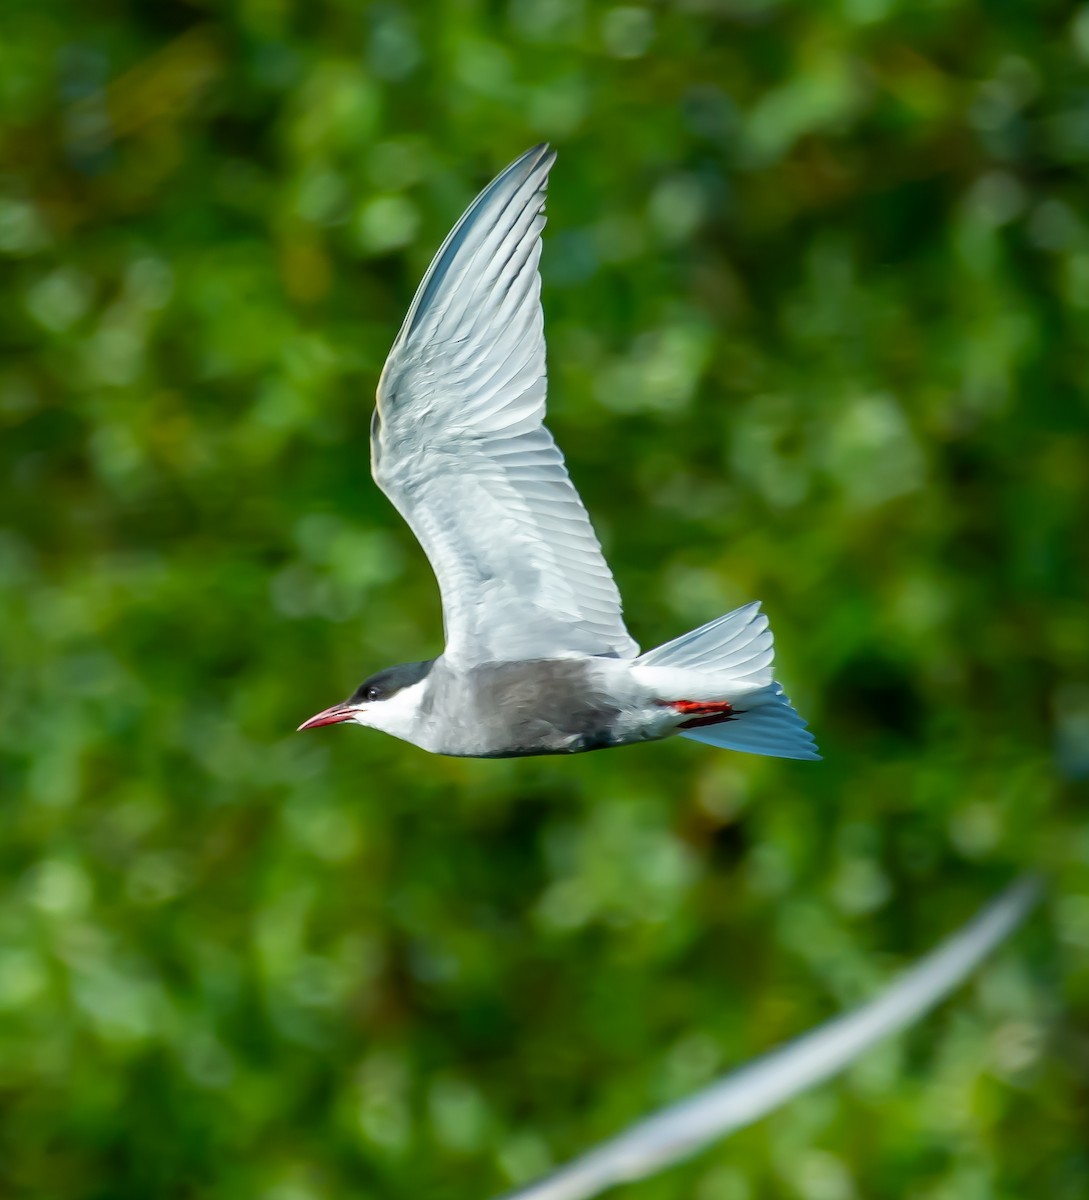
point(732, 657)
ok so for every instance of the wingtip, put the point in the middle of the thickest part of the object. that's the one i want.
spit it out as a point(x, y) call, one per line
point(540, 155)
point(536, 158)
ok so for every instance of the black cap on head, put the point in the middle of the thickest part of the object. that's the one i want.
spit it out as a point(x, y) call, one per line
point(390, 681)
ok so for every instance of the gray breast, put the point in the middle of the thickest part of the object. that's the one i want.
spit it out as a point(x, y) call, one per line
point(547, 706)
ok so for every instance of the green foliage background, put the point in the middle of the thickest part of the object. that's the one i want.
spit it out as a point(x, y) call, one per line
point(817, 294)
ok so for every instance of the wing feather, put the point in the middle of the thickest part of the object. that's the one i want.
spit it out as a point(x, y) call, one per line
point(458, 444)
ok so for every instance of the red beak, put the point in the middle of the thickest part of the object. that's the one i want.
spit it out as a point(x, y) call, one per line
point(328, 716)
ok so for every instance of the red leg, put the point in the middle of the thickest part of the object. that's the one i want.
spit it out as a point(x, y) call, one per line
point(703, 712)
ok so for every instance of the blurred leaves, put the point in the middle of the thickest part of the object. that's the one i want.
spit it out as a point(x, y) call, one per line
point(817, 296)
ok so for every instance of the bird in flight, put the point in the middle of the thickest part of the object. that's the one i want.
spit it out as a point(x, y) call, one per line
point(537, 657)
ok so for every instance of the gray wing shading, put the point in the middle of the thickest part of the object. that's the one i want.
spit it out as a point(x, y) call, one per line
point(458, 444)
point(762, 1086)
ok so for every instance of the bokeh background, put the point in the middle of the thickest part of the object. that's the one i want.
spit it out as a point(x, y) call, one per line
point(817, 294)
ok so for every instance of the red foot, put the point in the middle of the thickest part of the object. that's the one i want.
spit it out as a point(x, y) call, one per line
point(703, 712)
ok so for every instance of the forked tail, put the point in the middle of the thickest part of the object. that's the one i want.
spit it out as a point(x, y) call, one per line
point(727, 665)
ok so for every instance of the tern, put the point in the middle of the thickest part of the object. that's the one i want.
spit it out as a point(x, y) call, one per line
point(537, 657)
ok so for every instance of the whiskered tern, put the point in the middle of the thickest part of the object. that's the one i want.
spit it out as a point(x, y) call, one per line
point(537, 657)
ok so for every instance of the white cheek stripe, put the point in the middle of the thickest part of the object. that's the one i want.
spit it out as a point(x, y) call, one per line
point(399, 715)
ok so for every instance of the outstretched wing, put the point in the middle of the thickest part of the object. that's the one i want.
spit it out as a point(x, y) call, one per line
point(458, 444)
point(764, 1084)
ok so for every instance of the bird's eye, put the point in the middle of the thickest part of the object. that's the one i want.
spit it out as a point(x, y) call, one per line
point(373, 693)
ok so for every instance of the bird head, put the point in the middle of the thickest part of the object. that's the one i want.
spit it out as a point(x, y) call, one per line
point(389, 701)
